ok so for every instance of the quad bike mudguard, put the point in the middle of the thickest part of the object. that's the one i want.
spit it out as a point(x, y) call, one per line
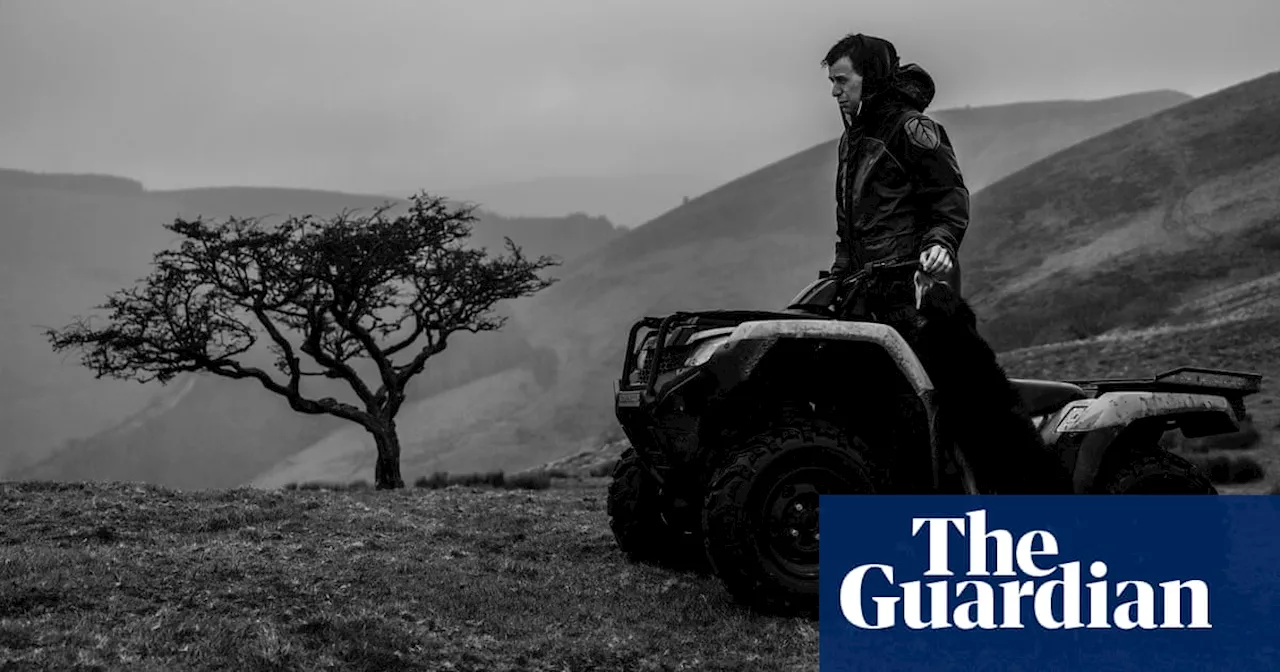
point(756, 339)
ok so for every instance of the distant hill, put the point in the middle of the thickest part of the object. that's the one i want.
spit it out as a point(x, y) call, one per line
point(68, 241)
point(628, 200)
point(752, 242)
point(993, 142)
point(86, 183)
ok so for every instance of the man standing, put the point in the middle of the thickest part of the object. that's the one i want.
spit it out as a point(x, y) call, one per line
point(899, 191)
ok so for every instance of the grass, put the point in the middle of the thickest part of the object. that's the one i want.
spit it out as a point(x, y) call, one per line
point(536, 479)
point(123, 577)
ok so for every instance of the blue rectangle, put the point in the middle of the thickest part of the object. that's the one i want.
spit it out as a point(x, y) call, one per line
point(1229, 543)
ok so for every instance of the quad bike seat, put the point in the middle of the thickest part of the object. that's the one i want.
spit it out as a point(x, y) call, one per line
point(1046, 396)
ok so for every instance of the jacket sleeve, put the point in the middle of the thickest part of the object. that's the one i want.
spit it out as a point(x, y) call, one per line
point(842, 253)
point(940, 189)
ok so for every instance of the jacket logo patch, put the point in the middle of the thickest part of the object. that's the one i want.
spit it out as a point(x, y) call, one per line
point(923, 133)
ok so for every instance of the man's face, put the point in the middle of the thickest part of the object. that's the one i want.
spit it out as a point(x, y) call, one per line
point(846, 85)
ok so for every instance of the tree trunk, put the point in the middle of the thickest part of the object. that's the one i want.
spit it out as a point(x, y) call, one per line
point(386, 471)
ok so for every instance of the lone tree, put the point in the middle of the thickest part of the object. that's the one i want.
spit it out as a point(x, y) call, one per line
point(347, 288)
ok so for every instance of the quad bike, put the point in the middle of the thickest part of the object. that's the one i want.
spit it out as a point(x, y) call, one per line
point(739, 420)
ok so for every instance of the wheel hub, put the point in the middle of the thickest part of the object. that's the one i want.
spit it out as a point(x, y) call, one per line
point(790, 526)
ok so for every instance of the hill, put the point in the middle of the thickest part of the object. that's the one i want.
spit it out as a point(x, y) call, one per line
point(70, 240)
point(61, 251)
point(777, 222)
point(1119, 230)
point(996, 141)
point(627, 201)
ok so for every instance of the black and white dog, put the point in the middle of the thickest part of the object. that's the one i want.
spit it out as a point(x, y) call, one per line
point(979, 408)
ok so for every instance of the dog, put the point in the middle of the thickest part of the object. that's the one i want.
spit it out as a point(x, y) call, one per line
point(979, 409)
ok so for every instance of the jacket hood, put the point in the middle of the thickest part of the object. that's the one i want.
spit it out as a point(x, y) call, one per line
point(911, 85)
point(914, 86)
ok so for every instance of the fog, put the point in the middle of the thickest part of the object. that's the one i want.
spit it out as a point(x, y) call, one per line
point(397, 94)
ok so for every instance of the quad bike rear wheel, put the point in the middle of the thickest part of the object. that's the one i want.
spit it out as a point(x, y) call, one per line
point(635, 508)
point(1154, 471)
point(760, 517)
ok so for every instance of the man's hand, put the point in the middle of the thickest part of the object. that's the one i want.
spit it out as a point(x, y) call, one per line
point(936, 260)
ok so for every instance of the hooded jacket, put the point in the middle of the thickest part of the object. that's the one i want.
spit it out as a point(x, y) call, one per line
point(898, 185)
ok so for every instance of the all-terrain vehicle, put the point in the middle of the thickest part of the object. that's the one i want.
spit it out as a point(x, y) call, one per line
point(739, 420)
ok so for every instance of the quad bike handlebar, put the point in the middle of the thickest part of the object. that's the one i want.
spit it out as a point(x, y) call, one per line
point(835, 295)
point(852, 286)
point(875, 268)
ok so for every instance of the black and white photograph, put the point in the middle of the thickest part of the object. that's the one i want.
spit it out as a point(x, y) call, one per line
point(531, 334)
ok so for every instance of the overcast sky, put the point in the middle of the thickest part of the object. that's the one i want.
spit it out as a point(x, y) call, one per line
point(388, 94)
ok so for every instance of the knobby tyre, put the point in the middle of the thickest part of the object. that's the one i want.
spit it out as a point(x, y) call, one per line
point(635, 507)
point(760, 516)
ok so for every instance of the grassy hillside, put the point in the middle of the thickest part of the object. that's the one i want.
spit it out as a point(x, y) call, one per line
point(996, 141)
point(120, 577)
point(69, 240)
point(1118, 230)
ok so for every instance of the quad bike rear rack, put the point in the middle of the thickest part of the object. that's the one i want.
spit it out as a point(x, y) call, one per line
point(1182, 379)
point(1233, 385)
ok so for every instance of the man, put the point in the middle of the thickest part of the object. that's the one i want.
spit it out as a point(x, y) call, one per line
point(899, 191)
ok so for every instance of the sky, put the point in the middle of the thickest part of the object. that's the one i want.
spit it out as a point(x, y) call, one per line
point(378, 95)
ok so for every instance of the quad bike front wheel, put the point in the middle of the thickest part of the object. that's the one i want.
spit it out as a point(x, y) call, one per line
point(635, 508)
point(760, 518)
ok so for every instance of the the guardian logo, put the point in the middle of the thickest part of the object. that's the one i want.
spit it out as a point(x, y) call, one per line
point(1032, 589)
